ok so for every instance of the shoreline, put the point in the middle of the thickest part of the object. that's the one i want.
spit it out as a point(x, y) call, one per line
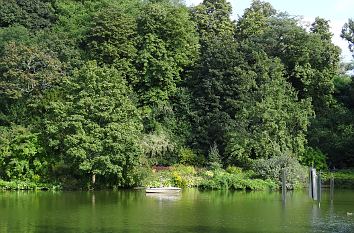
point(190, 177)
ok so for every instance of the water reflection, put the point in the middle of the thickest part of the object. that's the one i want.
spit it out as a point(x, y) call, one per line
point(189, 211)
point(164, 196)
point(329, 215)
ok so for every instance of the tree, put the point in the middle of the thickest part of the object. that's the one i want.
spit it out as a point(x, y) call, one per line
point(167, 44)
point(27, 70)
point(348, 33)
point(20, 154)
point(96, 127)
point(255, 20)
point(214, 81)
point(311, 59)
point(112, 40)
point(213, 18)
point(271, 121)
point(34, 14)
point(27, 73)
point(333, 134)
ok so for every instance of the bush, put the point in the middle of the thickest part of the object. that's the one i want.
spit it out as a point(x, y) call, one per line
point(234, 170)
point(342, 178)
point(178, 180)
point(20, 154)
point(214, 157)
point(271, 169)
point(314, 157)
point(187, 176)
point(226, 180)
point(23, 185)
point(187, 156)
point(179, 175)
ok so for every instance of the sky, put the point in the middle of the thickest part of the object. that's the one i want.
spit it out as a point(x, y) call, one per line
point(337, 11)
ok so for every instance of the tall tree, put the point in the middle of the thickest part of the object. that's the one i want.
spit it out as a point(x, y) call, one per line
point(271, 121)
point(112, 40)
point(348, 33)
point(96, 126)
point(214, 79)
point(167, 44)
point(27, 72)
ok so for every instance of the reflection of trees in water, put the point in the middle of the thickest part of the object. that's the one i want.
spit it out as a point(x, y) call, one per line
point(190, 211)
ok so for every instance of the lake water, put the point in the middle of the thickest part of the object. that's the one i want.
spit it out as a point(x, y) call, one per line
point(191, 211)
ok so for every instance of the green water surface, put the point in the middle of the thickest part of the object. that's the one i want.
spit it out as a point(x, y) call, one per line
point(190, 211)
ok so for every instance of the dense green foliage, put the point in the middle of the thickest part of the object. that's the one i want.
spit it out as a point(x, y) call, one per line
point(233, 178)
point(343, 178)
point(296, 175)
point(95, 92)
point(95, 127)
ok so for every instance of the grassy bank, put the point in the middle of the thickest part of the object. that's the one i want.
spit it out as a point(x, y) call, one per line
point(232, 178)
point(342, 178)
point(25, 185)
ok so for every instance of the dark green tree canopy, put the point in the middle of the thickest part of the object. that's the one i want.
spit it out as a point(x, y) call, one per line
point(27, 70)
point(34, 14)
point(112, 36)
point(167, 44)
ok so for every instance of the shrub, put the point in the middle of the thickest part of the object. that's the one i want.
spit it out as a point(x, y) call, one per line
point(234, 170)
point(20, 154)
point(314, 157)
point(179, 175)
point(214, 157)
point(271, 169)
point(342, 178)
point(187, 156)
point(26, 185)
point(178, 180)
point(226, 180)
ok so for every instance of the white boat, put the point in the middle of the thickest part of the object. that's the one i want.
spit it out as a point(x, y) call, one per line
point(163, 190)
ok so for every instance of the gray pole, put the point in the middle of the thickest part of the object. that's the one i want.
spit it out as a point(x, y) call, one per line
point(319, 186)
point(283, 185)
point(331, 187)
point(314, 184)
point(310, 183)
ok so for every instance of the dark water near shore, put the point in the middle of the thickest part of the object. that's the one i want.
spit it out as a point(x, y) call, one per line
point(191, 211)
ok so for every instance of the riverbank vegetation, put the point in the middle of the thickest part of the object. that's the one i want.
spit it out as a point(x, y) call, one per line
point(232, 178)
point(94, 93)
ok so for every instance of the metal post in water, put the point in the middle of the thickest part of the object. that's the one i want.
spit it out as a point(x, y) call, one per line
point(310, 183)
point(314, 184)
point(331, 187)
point(319, 186)
point(283, 187)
